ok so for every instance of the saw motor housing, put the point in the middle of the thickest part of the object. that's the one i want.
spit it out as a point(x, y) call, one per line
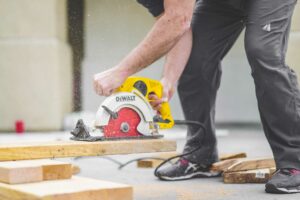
point(146, 87)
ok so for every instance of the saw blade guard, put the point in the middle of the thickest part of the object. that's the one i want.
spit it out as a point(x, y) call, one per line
point(132, 100)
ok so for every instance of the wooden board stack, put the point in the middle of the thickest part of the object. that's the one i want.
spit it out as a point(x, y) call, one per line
point(22, 177)
point(50, 179)
point(245, 170)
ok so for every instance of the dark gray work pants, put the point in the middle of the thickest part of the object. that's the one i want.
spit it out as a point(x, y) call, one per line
point(216, 26)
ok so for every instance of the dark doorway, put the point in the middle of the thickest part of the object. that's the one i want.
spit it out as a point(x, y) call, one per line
point(76, 40)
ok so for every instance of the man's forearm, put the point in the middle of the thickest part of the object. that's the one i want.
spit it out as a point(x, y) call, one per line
point(177, 58)
point(164, 35)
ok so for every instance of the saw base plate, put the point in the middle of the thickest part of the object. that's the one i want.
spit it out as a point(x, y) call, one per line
point(101, 138)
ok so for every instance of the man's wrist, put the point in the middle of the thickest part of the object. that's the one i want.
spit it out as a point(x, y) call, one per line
point(123, 71)
point(169, 81)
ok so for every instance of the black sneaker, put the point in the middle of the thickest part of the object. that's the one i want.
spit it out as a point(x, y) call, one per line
point(284, 181)
point(183, 170)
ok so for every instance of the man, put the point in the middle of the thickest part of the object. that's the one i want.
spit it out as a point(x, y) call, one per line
point(195, 52)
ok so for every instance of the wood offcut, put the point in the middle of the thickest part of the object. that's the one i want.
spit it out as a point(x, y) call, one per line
point(27, 171)
point(249, 176)
point(75, 188)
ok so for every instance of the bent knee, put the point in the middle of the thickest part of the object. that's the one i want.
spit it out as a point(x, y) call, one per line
point(263, 50)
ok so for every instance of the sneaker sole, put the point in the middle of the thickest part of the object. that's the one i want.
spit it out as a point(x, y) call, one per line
point(274, 190)
point(190, 176)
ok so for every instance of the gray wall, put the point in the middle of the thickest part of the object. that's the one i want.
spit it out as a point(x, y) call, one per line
point(113, 27)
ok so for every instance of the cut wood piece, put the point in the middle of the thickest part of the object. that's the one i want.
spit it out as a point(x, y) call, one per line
point(29, 151)
point(152, 163)
point(247, 164)
point(232, 156)
point(75, 169)
point(55, 170)
point(250, 176)
point(15, 172)
point(76, 189)
point(222, 166)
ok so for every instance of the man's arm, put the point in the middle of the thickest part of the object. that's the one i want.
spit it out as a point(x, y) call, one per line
point(176, 61)
point(165, 33)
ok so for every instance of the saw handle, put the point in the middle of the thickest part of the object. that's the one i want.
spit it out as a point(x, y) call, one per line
point(166, 120)
point(165, 113)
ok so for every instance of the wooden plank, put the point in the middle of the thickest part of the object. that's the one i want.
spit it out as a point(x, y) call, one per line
point(152, 163)
point(250, 176)
point(29, 151)
point(76, 188)
point(16, 172)
point(247, 164)
point(243, 164)
point(222, 166)
point(232, 156)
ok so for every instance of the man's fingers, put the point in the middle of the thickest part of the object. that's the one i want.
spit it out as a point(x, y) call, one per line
point(107, 92)
point(158, 107)
point(99, 89)
point(154, 103)
point(153, 97)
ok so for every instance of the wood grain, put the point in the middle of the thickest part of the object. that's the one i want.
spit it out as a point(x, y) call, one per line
point(249, 176)
point(76, 188)
point(16, 172)
point(243, 165)
point(29, 151)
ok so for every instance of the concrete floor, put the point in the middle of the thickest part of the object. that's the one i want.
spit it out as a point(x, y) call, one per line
point(147, 187)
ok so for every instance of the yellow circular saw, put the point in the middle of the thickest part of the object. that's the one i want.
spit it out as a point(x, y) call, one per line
point(127, 114)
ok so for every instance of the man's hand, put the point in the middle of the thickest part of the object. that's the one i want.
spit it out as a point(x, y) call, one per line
point(106, 82)
point(168, 92)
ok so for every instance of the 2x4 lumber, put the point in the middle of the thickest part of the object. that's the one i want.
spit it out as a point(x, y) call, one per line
point(16, 172)
point(152, 163)
point(222, 166)
point(76, 188)
point(233, 165)
point(59, 149)
point(244, 165)
point(250, 176)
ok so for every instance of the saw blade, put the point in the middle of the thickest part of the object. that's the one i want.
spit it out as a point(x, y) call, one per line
point(125, 125)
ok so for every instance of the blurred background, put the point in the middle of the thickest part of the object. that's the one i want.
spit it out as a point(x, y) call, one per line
point(50, 50)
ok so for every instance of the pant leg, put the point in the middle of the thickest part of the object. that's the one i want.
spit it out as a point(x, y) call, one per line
point(216, 25)
point(277, 90)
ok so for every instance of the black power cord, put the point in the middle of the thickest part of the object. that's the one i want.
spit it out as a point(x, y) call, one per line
point(177, 122)
point(183, 122)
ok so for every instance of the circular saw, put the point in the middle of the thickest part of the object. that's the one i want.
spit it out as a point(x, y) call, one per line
point(127, 114)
